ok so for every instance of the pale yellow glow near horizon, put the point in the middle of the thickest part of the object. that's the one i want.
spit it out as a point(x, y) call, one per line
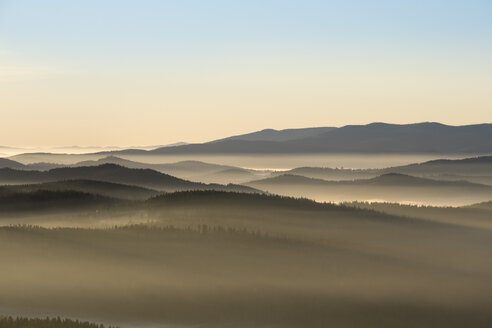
point(157, 106)
point(131, 73)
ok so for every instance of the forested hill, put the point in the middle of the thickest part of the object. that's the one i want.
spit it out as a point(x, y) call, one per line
point(11, 322)
point(113, 173)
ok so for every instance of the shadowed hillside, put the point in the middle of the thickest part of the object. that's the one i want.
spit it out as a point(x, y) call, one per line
point(7, 163)
point(55, 201)
point(108, 189)
point(112, 173)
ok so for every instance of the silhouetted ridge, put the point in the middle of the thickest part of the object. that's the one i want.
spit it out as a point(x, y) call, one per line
point(113, 173)
point(425, 137)
point(278, 135)
point(7, 163)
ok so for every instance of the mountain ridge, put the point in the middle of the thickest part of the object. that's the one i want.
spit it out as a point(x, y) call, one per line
point(426, 137)
point(377, 137)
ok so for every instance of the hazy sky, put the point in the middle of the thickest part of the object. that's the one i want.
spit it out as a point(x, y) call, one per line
point(154, 72)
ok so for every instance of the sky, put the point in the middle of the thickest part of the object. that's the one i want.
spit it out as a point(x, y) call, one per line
point(142, 72)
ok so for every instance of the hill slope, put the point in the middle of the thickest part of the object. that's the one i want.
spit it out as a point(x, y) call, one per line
point(7, 163)
point(112, 173)
point(107, 189)
point(188, 168)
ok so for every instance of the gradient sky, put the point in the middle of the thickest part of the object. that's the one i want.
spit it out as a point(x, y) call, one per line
point(154, 72)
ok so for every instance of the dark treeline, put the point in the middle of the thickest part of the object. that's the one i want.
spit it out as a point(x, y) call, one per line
point(18, 322)
point(223, 198)
point(201, 231)
point(45, 200)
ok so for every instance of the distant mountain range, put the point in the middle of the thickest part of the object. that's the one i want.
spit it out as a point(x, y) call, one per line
point(75, 149)
point(278, 135)
point(371, 138)
point(418, 138)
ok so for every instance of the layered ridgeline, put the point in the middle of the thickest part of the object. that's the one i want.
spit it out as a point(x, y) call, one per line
point(371, 138)
point(375, 138)
point(218, 259)
point(392, 187)
point(189, 169)
point(112, 173)
point(439, 182)
point(473, 169)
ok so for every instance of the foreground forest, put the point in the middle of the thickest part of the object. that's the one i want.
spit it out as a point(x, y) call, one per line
point(217, 259)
